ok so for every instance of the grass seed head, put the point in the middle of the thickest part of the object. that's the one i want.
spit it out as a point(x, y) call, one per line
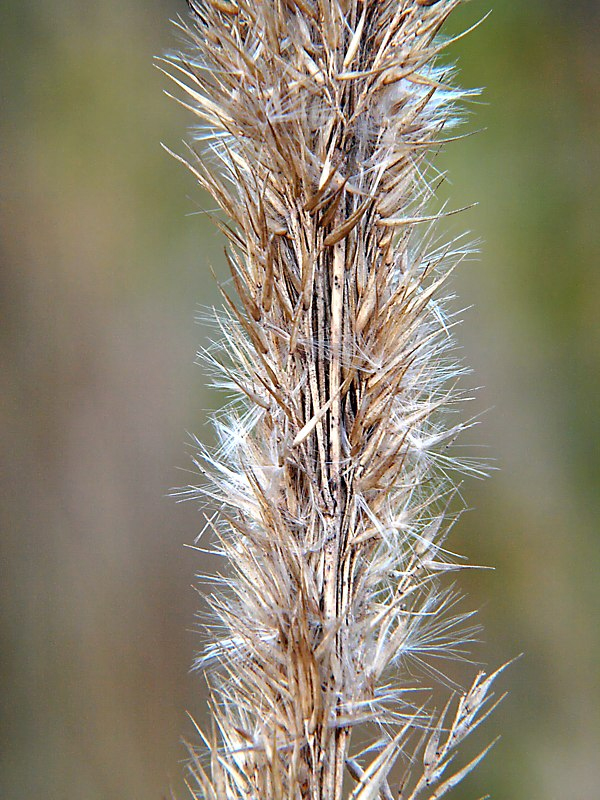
point(316, 124)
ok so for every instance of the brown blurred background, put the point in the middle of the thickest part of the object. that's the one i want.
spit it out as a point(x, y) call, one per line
point(103, 266)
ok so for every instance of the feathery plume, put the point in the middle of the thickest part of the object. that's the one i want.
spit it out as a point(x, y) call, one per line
point(333, 476)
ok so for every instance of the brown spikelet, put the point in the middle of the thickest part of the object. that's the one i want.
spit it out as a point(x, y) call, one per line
point(333, 477)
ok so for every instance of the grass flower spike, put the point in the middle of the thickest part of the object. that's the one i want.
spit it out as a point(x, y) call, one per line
point(334, 475)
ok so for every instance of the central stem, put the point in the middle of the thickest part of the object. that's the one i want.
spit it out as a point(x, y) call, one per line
point(338, 737)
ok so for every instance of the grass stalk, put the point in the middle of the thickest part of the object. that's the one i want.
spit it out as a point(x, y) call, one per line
point(334, 478)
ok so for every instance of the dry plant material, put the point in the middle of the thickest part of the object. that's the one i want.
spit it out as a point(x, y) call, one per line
point(334, 474)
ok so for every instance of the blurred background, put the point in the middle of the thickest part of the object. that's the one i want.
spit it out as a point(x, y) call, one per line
point(104, 263)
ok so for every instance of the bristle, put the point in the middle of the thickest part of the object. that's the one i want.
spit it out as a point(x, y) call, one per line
point(333, 473)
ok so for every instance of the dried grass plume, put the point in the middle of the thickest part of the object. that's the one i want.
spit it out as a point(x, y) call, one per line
point(334, 477)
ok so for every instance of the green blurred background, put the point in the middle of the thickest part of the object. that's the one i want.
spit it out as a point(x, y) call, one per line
point(104, 263)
